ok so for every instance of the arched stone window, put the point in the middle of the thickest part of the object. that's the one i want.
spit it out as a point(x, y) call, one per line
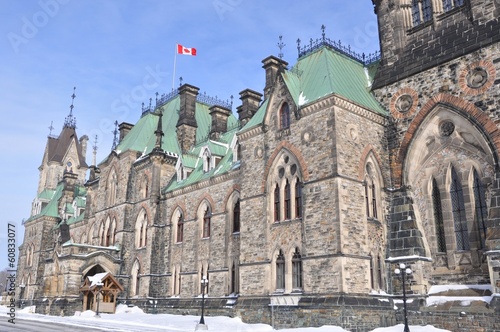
point(207, 160)
point(284, 116)
point(288, 202)
point(236, 217)
point(280, 271)
point(458, 210)
point(144, 187)
point(90, 234)
point(481, 210)
point(135, 279)
point(298, 199)
point(451, 4)
point(178, 221)
point(102, 228)
point(207, 219)
point(297, 270)
point(438, 217)
point(285, 188)
point(421, 11)
point(112, 186)
point(373, 186)
point(176, 281)
point(277, 203)
point(234, 288)
point(141, 225)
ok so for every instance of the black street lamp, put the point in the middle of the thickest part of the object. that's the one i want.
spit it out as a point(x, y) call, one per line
point(204, 284)
point(404, 271)
point(99, 287)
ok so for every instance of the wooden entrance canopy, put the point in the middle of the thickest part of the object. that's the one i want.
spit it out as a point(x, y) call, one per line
point(107, 287)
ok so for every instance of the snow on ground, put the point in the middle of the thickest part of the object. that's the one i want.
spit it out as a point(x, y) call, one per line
point(128, 319)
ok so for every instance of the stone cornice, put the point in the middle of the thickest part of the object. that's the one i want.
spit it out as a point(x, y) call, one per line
point(203, 184)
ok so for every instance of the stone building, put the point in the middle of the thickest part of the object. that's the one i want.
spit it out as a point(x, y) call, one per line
point(299, 210)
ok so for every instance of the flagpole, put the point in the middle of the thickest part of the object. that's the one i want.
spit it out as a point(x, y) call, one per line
point(175, 60)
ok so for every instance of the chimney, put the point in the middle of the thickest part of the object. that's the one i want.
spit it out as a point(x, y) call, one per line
point(186, 125)
point(272, 65)
point(250, 102)
point(83, 143)
point(219, 116)
point(124, 129)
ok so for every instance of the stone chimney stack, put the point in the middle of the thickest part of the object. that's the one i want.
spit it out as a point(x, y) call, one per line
point(83, 143)
point(250, 102)
point(186, 125)
point(219, 116)
point(273, 66)
point(124, 129)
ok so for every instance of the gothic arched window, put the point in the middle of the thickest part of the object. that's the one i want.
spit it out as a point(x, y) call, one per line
point(297, 270)
point(421, 11)
point(458, 210)
point(207, 217)
point(288, 202)
point(284, 116)
point(134, 279)
point(141, 229)
point(298, 199)
point(277, 203)
point(280, 271)
point(236, 217)
point(438, 217)
point(481, 212)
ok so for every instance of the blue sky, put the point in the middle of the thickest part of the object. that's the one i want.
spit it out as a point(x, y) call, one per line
point(118, 54)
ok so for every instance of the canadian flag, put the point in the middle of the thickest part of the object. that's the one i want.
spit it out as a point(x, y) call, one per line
point(186, 50)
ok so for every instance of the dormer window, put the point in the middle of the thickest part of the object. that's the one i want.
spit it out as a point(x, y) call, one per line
point(208, 163)
point(285, 116)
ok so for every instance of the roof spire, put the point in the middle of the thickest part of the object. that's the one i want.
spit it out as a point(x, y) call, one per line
point(94, 152)
point(281, 45)
point(70, 120)
point(115, 136)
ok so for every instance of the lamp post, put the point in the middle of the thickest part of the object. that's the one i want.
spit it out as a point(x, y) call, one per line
point(204, 284)
point(99, 287)
point(201, 325)
point(404, 271)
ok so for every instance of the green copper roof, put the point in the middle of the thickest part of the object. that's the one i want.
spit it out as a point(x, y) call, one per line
point(142, 136)
point(327, 71)
point(192, 160)
point(258, 117)
point(324, 72)
point(52, 208)
point(46, 194)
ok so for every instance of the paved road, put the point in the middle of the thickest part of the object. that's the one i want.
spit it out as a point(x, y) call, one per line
point(23, 325)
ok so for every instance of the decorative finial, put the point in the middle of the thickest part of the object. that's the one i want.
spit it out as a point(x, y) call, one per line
point(180, 81)
point(156, 98)
point(115, 136)
point(323, 31)
point(298, 46)
point(51, 128)
point(231, 101)
point(70, 120)
point(281, 45)
point(94, 153)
